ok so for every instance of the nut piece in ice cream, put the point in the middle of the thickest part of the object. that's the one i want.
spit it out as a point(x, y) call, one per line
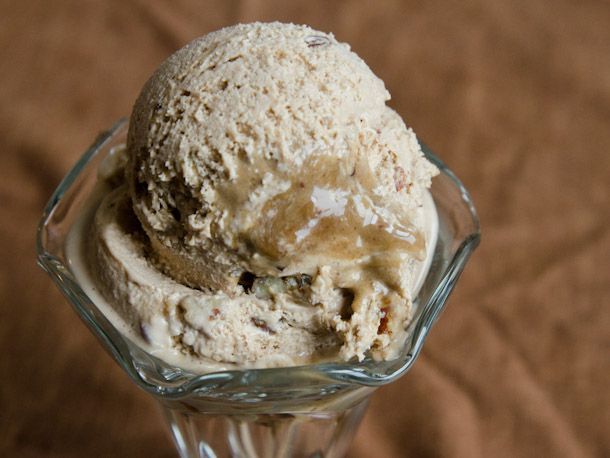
point(278, 195)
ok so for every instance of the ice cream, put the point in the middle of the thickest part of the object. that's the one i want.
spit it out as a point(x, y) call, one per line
point(269, 208)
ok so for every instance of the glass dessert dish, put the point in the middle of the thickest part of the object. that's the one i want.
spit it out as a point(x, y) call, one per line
point(309, 411)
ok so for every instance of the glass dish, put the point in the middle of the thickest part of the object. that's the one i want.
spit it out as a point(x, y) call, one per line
point(309, 410)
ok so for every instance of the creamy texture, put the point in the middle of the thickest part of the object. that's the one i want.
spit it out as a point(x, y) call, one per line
point(106, 252)
point(274, 209)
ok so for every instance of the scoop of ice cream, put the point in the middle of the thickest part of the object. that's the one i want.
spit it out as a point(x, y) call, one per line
point(275, 209)
point(268, 150)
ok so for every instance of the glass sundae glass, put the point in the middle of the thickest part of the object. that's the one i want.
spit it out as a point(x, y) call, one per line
point(306, 411)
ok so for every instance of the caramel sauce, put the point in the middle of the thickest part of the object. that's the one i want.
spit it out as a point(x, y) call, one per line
point(329, 210)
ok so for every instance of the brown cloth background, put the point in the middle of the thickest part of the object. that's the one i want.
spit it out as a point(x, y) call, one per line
point(513, 95)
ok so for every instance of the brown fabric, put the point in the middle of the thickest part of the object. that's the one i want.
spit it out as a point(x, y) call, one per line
point(514, 96)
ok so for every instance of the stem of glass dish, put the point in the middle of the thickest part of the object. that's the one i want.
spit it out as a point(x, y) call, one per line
point(316, 434)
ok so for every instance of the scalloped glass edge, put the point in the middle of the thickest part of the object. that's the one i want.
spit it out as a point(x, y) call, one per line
point(173, 383)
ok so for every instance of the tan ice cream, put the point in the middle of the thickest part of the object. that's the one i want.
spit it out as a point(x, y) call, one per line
point(275, 209)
